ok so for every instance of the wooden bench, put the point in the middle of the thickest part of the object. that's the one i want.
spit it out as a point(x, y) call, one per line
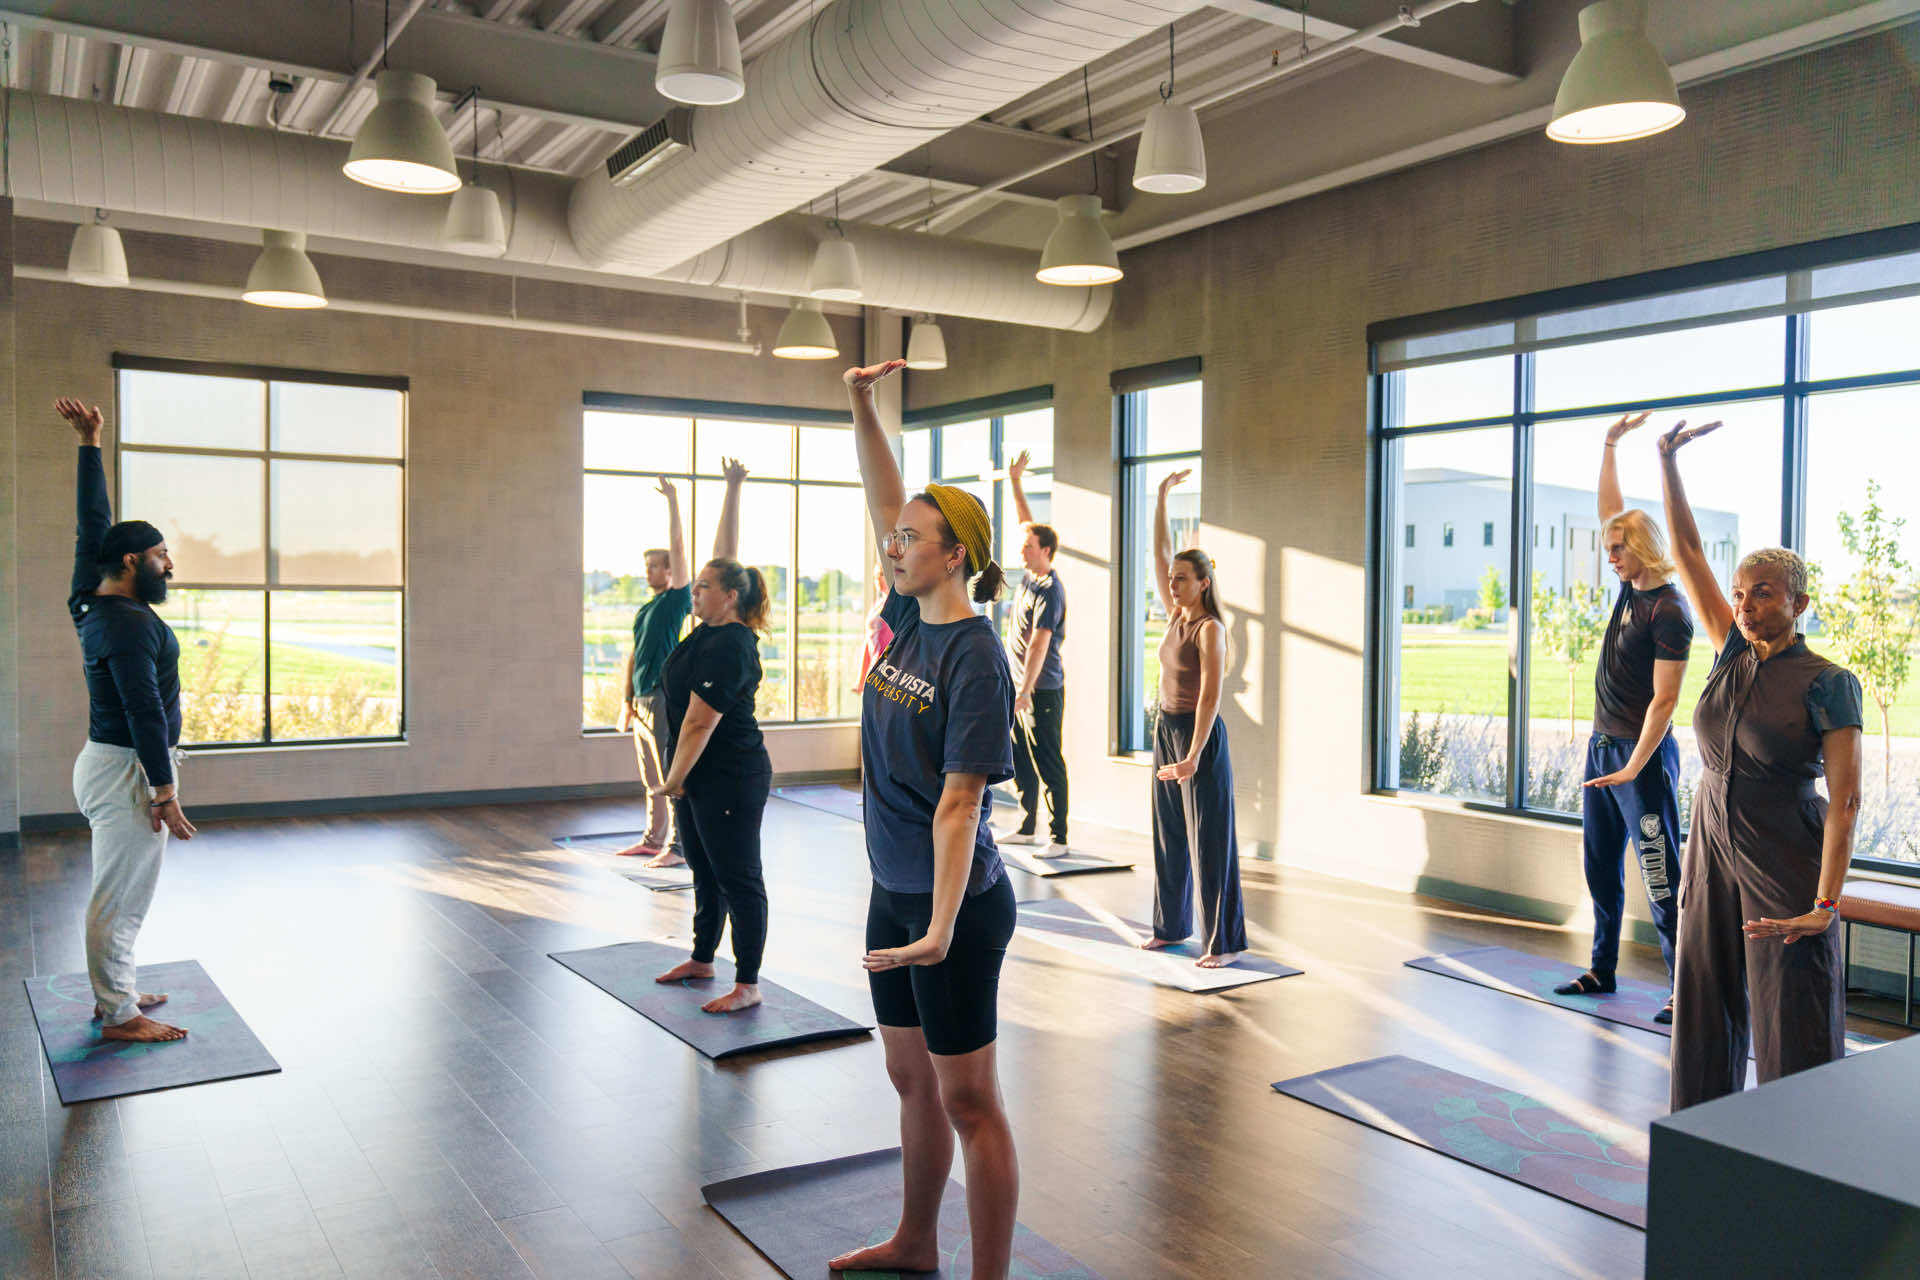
point(1882, 906)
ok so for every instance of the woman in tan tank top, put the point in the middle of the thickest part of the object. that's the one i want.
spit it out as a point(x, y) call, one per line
point(1193, 819)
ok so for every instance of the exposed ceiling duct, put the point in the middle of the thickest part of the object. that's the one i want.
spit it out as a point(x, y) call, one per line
point(84, 155)
point(865, 82)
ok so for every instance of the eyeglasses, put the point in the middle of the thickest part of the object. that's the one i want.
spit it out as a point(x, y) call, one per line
point(901, 539)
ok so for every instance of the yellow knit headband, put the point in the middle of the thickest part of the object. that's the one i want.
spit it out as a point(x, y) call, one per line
point(968, 520)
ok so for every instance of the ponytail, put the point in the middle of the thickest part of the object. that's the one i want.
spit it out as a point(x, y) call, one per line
point(986, 587)
point(749, 588)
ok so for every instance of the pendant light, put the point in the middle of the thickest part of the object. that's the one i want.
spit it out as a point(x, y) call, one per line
point(400, 145)
point(283, 275)
point(97, 257)
point(805, 334)
point(699, 61)
point(1079, 252)
point(1618, 87)
point(474, 225)
point(835, 271)
point(1172, 158)
point(926, 345)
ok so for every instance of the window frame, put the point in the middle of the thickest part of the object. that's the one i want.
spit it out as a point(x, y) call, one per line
point(267, 375)
point(1129, 388)
point(1795, 391)
point(735, 411)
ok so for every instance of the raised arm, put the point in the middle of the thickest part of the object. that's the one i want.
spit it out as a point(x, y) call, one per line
point(1710, 605)
point(93, 510)
point(879, 473)
point(726, 538)
point(1014, 472)
point(679, 573)
point(1163, 541)
point(1611, 503)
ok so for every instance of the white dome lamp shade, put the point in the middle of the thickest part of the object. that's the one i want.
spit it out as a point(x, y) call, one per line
point(926, 345)
point(805, 334)
point(283, 275)
point(835, 272)
point(699, 61)
point(1172, 159)
point(1618, 87)
point(97, 256)
point(1079, 252)
point(400, 145)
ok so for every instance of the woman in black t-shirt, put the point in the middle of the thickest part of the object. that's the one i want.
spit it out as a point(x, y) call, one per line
point(718, 773)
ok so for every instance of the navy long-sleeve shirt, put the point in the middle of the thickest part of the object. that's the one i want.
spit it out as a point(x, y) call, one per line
point(132, 658)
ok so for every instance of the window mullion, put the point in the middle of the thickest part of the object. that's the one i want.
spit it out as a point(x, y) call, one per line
point(1520, 608)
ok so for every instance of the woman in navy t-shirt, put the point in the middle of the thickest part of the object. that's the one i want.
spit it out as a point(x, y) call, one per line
point(936, 721)
point(718, 774)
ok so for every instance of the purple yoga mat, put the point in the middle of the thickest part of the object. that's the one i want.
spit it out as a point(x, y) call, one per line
point(1497, 1129)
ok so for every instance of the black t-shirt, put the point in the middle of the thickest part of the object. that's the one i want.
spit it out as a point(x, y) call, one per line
point(1647, 626)
point(722, 665)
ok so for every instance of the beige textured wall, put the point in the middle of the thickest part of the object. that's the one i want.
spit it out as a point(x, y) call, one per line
point(9, 557)
point(1277, 305)
point(493, 506)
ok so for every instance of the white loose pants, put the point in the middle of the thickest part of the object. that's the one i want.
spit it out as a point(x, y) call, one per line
point(111, 789)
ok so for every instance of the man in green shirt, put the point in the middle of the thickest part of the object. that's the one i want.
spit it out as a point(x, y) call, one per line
point(656, 629)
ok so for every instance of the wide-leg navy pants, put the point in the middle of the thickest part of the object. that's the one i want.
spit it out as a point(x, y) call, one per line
point(1193, 824)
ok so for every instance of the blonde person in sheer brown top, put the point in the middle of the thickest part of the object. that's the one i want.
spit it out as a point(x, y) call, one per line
point(1193, 820)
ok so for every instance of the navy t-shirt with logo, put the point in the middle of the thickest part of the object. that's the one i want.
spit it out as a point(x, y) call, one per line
point(1042, 605)
point(938, 701)
point(1647, 626)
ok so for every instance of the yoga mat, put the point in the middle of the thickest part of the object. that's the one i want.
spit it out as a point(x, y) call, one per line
point(626, 971)
point(1071, 927)
point(1535, 977)
point(658, 879)
point(1497, 1129)
point(832, 798)
point(219, 1045)
point(1069, 864)
point(801, 1217)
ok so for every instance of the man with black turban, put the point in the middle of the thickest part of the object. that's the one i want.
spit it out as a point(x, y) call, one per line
point(123, 779)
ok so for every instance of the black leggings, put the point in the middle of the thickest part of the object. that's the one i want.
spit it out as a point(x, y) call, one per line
point(954, 1003)
point(719, 825)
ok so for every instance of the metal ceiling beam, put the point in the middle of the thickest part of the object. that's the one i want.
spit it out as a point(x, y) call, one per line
point(520, 70)
point(1475, 46)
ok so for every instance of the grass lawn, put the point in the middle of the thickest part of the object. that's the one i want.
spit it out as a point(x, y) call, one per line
point(293, 665)
point(1468, 676)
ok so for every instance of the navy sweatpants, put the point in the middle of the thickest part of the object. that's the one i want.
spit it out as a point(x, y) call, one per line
point(1193, 826)
point(1644, 813)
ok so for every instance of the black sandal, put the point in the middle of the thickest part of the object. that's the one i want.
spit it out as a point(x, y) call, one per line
point(1665, 1016)
point(1587, 984)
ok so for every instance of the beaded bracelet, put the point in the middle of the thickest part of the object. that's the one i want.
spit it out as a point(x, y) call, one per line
point(1825, 904)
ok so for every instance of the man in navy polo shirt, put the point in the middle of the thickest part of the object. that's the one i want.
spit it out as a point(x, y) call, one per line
point(1040, 694)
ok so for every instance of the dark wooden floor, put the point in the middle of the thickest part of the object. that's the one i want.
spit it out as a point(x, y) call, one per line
point(455, 1104)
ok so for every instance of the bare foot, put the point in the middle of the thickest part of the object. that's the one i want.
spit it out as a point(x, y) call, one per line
point(665, 858)
point(143, 1030)
point(891, 1256)
point(144, 1000)
point(640, 849)
point(1160, 944)
point(1221, 961)
point(686, 969)
point(743, 996)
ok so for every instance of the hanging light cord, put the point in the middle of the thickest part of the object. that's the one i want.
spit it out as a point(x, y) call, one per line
point(1093, 157)
point(1166, 90)
point(386, 31)
point(926, 223)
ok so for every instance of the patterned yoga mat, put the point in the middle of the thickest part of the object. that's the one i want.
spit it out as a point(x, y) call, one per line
point(219, 1045)
point(1497, 1129)
point(802, 1216)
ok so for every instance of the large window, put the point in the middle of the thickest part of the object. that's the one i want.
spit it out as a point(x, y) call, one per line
point(1158, 416)
point(970, 446)
point(282, 498)
point(803, 524)
point(1815, 373)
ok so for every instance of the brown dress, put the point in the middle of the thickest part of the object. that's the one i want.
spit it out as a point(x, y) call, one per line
point(1754, 850)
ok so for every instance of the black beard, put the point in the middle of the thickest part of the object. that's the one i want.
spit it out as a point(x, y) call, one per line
point(149, 585)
